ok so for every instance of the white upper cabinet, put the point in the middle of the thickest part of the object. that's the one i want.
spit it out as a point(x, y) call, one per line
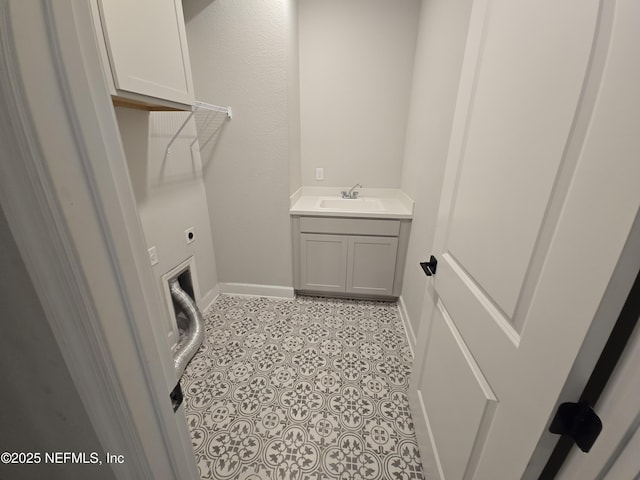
point(144, 46)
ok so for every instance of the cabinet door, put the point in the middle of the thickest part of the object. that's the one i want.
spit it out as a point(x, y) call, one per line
point(323, 262)
point(147, 48)
point(371, 266)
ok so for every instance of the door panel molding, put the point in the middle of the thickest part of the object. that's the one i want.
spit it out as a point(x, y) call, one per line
point(517, 129)
point(457, 395)
point(458, 273)
point(476, 325)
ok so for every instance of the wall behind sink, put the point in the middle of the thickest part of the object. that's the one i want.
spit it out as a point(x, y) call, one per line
point(356, 61)
point(242, 54)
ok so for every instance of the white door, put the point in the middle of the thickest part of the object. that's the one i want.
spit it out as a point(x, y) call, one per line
point(541, 190)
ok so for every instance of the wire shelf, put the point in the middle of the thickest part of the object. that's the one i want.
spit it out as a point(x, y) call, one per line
point(204, 120)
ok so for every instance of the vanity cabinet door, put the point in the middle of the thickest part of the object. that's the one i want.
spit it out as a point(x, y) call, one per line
point(323, 262)
point(371, 265)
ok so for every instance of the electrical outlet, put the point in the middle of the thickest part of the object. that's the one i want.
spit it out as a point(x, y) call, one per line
point(153, 256)
point(319, 173)
point(189, 235)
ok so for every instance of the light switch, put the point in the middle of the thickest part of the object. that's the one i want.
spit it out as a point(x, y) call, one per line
point(319, 173)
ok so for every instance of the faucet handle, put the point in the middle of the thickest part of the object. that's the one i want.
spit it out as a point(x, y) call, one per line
point(344, 194)
point(354, 194)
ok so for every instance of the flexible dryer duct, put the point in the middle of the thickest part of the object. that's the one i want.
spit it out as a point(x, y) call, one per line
point(195, 331)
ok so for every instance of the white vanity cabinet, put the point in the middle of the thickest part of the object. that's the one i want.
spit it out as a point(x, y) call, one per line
point(349, 256)
point(143, 45)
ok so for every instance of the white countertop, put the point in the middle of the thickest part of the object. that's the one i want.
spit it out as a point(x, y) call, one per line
point(374, 203)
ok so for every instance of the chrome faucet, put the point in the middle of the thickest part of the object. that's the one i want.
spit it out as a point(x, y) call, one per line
point(351, 193)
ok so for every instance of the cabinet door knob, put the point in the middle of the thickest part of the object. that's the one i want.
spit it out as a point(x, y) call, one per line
point(430, 266)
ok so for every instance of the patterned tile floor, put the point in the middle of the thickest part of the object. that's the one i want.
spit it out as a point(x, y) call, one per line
point(301, 389)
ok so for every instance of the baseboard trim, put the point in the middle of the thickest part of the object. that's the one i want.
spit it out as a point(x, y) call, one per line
point(255, 290)
point(406, 323)
point(347, 296)
point(207, 300)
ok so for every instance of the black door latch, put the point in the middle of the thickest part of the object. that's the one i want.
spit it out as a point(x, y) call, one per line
point(430, 266)
point(579, 422)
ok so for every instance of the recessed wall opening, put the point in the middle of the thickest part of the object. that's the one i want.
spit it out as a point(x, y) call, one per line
point(182, 321)
point(185, 274)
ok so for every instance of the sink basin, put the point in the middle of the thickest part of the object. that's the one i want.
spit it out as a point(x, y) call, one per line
point(351, 204)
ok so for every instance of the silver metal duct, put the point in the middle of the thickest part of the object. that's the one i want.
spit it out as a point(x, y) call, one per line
point(188, 346)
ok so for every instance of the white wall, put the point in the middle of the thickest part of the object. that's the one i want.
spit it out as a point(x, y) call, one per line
point(42, 410)
point(170, 194)
point(356, 60)
point(240, 57)
point(439, 53)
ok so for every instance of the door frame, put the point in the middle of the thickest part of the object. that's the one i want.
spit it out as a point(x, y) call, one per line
point(67, 197)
